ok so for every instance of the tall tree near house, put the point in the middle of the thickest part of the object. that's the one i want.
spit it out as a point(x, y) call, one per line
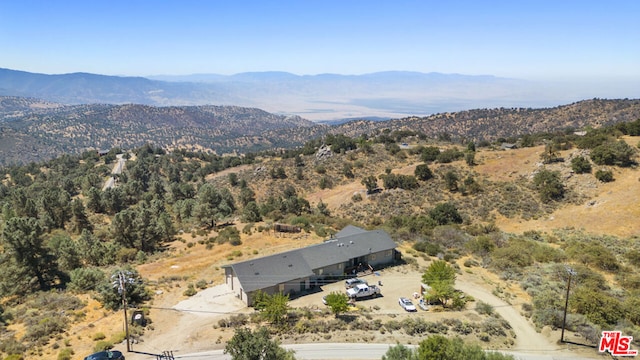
point(337, 302)
point(274, 308)
point(441, 277)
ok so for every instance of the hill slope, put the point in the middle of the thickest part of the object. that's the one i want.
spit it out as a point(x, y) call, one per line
point(28, 135)
point(32, 130)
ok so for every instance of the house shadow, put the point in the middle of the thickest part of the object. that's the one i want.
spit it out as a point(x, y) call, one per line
point(299, 294)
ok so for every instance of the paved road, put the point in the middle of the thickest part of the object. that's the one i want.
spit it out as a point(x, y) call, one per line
point(352, 351)
point(117, 170)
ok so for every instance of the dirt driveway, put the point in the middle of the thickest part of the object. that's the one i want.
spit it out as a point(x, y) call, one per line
point(188, 325)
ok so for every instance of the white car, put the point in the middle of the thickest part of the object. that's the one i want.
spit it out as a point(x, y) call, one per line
point(406, 304)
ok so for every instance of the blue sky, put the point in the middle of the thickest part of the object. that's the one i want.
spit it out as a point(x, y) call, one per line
point(560, 39)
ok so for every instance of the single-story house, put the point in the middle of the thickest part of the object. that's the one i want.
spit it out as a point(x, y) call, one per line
point(298, 270)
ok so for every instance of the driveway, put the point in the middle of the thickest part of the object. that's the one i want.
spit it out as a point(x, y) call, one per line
point(188, 325)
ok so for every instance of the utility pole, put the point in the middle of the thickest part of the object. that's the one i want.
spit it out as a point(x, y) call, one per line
point(124, 278)
point(571, 273)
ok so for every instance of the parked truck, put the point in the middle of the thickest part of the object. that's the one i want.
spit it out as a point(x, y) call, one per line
point(362, 291)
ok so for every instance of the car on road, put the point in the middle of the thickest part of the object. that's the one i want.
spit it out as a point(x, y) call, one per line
point(354, 282)
point(106, 355)
point(406, 304)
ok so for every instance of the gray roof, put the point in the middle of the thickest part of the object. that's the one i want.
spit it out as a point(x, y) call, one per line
point(267, 271)
point(350, 230)
point(264, 272)
point(342, 249)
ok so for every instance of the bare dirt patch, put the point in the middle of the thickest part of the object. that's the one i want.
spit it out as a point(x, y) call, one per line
point(609, 208)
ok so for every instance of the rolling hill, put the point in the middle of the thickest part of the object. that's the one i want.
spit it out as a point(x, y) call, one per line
point(32, 130)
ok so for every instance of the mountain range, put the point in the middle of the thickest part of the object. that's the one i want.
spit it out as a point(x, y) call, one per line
point(324, 97)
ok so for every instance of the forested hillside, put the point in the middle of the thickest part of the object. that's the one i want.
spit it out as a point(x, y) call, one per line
point(61, 231)
point(28, 133)
point(32, 130)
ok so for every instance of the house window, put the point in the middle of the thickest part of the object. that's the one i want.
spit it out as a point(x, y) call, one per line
point(389, 253)
point(339, 266)
point(281, 288)
point(320, 271)
point(372, 257)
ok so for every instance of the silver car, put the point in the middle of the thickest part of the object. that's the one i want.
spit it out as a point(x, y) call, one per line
point(354, 282)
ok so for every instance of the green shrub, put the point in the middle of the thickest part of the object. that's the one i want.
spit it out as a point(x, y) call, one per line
point(429, 153)
point(470, 263)
point(99, 336)
point(85, 279)
point(592, 253)
point(430, 248)
point(549, 185)
point(325, 183)
point(201, 284)
point(483, 308)
point(422, 172)
point(580, 165)
point(445, 213)
point(229, 234)
point(125, 255)
point(10, 345)
point(102, 345)
point(191, 290)
point(450, 155)
point(41, 328)
point(604, 175)
point(65, 354)
point(613, 153)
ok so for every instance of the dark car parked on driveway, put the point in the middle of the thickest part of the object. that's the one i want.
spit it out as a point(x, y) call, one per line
point(106, 355)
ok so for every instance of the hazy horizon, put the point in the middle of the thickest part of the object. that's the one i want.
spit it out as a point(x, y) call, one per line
point(541, 41)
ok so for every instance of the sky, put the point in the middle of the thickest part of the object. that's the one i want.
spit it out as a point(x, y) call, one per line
point(540, 40)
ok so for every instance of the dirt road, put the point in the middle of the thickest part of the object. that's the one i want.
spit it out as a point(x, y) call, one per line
point(527, 338)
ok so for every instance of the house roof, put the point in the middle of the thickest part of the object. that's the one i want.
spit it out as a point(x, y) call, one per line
point(264, 272)
point(342, 249)
point(350, 230)
point(267, 271)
